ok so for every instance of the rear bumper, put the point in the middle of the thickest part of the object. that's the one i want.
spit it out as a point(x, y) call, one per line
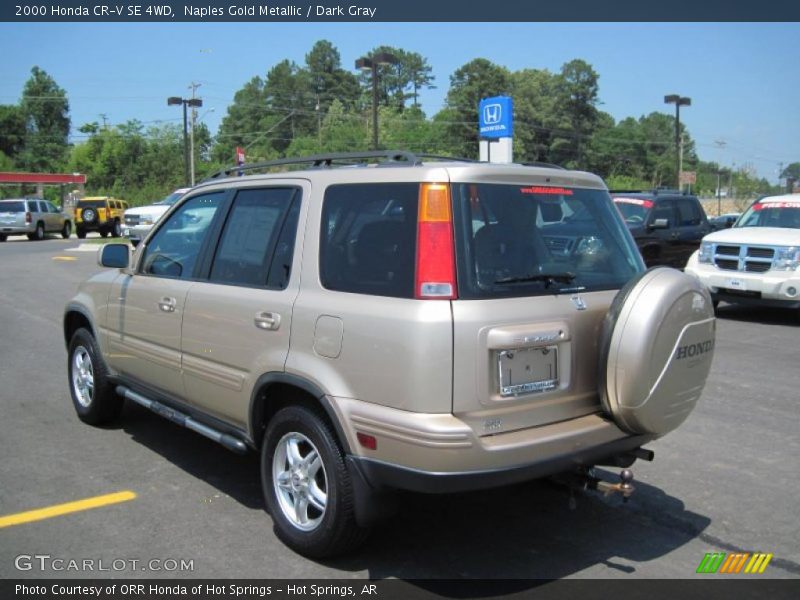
point(17, 229)
point(380, 475)
point(440, 453)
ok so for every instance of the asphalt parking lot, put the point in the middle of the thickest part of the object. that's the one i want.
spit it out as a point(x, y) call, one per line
point(726, 481)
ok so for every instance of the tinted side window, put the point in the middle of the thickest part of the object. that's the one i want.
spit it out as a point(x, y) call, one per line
point(368, 238)
point(251, 236)
point(174, 248)
point(663, 210)
point(688, 212)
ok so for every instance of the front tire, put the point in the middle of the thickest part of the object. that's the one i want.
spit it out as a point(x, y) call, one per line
point(116, 230)
point(306, 485)
point(66, 231)
point(92, 392)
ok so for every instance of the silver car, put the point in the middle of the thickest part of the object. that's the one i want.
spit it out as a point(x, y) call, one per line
point(33, 217)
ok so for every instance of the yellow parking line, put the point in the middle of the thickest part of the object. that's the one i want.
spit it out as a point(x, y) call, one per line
point(64, 509)
point(65, 258)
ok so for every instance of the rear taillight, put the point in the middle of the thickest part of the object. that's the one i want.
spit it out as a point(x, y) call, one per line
point(28, 218)
point(436, 264)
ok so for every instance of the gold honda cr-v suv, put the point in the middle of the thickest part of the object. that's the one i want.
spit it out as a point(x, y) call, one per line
point(412, 324)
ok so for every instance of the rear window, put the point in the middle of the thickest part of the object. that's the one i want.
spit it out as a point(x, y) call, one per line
point(516, 240)
point(772, 214)
point(633, 210)
point(12, 207)
point(92, 203)
point(368, 238)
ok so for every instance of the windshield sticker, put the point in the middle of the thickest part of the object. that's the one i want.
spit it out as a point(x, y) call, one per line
point(546, 190)
point(765, 205)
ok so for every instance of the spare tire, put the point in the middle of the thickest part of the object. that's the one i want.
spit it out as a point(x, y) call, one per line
point(656, 348)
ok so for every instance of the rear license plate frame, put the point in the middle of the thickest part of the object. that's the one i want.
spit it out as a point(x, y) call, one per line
point(538, 365)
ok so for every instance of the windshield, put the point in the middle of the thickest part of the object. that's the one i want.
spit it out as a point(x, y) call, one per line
point(634, 210)
point(772, 214)
point(171, 199)
point(12, 207)
point(516, 240)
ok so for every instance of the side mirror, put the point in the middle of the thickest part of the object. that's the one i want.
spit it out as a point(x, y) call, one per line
point(114, 256)
point(659, 224)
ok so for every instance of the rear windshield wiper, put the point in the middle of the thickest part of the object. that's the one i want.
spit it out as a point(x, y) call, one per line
point(548, 278)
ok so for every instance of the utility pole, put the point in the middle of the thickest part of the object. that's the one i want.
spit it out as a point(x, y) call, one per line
point(104, 116)
point(193, 87)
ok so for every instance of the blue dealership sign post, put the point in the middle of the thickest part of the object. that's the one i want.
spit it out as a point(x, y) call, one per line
point(496, 129)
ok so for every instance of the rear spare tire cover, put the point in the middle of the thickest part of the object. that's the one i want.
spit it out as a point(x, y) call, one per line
point(656, 349)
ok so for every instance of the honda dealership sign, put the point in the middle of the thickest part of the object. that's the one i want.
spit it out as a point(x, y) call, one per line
point(495, 129)
point(496, 117)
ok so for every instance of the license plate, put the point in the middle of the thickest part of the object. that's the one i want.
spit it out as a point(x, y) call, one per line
point(736, 284)
point(528, 370)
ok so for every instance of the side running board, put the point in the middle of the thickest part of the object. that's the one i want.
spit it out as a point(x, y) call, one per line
point(226, 439)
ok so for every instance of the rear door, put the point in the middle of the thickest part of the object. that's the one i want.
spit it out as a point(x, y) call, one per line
point(237, 321)
point(692, 226)
point(146, 308)
point(663, 245)
point(538, 267)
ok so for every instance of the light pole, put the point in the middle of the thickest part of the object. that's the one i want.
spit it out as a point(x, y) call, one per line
point(193, 102)
point(678, 101)
point(371, 64)
point(195, 120)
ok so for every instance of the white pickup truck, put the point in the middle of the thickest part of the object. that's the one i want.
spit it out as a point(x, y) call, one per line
point(140, 219)
point(757, 261)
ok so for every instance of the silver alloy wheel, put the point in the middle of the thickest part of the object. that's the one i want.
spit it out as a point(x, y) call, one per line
point(82, 376)
point(299, 481)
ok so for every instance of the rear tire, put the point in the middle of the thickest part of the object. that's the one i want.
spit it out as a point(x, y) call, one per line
point(80, 233)
point(92, 392)
point(2, 237)
point(66, 231)
point(38, 234)
point(307, 486)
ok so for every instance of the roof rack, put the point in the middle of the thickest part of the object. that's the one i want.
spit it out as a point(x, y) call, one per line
point(392, 157)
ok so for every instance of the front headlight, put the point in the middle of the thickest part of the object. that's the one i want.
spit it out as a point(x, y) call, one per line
point(147, 220)
point(786, 259)
point(706, 254)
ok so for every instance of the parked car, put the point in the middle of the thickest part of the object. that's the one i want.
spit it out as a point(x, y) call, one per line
point(757, 261)
point(99, 213)
point(723, 221)
point(33, 217)
point(428, 326)
point(139, 220)
point(666, 224)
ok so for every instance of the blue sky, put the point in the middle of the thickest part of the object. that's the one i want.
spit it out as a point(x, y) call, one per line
point(742, 77)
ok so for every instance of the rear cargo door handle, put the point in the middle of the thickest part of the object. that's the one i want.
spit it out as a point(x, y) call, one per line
point(167, 304)
point(267, 320)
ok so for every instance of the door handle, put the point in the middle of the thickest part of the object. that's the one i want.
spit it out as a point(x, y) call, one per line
point(267, 320)
point(167, 304)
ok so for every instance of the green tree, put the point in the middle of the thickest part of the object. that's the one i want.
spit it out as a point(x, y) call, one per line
point(12, 130)
point(470, 83)
point(398, 82)
point(577, 93)
point(328, 80)
point(242, 124)
point(45, 109)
